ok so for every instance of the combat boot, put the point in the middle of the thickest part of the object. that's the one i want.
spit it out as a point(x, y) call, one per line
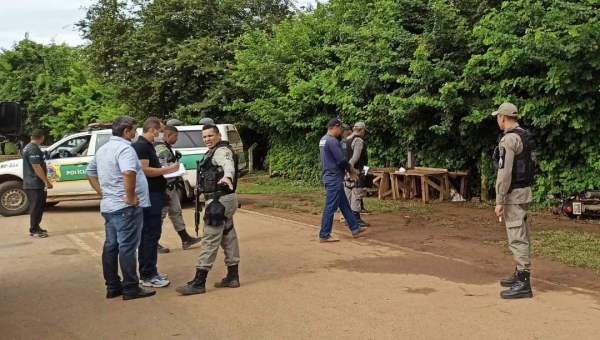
point(186, 240)
point(521, 289)
point(510, 281)
point(361, 223)
point(232, 280)
point(196, 286)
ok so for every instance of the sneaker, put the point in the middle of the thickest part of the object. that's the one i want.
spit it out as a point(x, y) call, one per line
point(360, 231)
point(163, 250)
point(160, 276)
point(156, 282)
point(38, 234)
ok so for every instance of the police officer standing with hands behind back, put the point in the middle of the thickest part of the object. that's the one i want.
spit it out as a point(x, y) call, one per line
point(217, 180)
point(516, 163)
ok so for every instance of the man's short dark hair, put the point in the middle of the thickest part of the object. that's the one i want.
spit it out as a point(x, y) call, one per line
point(37, 134)
point(151, 123)
point(121, 124)
point(171, 129)
point(210, 126)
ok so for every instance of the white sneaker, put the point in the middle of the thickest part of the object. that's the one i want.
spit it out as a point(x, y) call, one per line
point(156, 282)
point(161, 276)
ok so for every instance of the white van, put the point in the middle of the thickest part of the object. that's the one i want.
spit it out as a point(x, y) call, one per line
point(68, 158)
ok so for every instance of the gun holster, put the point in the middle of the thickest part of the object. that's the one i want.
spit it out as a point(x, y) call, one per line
point(214, 213)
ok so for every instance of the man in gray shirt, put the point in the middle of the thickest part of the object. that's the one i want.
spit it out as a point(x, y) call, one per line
point(116, 174)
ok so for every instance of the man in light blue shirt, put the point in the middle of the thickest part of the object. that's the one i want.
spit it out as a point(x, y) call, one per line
point(116, 174)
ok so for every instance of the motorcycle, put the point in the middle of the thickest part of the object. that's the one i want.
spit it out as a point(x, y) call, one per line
point(586, 203)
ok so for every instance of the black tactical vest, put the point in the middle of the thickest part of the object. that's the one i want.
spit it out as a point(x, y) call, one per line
point(210, 174)
point(348, 152)
point(523, 170)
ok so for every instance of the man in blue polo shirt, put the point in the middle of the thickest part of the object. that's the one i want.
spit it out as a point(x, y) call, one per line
point(334, 166)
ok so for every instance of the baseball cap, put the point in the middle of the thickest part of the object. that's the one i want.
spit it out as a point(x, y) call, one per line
point(507, 109)
point(333, 122)
point(360, 126)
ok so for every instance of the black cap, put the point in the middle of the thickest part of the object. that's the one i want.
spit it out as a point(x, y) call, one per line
point(334, 122)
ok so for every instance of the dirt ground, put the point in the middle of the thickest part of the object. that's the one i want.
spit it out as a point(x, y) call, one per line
point(409, 277)
point(452, 230)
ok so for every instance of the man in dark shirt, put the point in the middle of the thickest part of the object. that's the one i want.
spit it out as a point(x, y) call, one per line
point(35, 182)
point(157, 186)
point(334, 166)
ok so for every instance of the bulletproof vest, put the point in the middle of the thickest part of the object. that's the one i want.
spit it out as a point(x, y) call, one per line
point(523, 170)
point(209, 174)
point(348, 152)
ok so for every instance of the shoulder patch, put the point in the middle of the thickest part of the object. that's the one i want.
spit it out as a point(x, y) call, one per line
point(323, 142)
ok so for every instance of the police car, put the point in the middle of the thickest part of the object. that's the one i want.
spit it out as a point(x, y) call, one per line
point(67, 161)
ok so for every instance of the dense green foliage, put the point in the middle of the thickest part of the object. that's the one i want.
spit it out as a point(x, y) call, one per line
point(423, 74)
point(55, 87)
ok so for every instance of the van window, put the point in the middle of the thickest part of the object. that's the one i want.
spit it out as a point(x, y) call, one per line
point(189, 139)
point(233, 137)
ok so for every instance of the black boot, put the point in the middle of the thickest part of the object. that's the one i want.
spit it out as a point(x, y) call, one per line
point(361, 223)
point(196, 286)
point(510, 281)
point(186, 240)
point(521, 289)
point(232, 280)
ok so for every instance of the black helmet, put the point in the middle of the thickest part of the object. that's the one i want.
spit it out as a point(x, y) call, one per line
point(206, 120)
point(174, 122)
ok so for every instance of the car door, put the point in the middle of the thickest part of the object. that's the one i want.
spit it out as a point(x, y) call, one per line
point(67, 163)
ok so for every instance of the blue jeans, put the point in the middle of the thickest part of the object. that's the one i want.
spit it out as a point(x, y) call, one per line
point(148, 251)
point(123, 231)
point(335, 197)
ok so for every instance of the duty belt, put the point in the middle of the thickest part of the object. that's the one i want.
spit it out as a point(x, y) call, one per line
point(171, 186)
point(214, 195)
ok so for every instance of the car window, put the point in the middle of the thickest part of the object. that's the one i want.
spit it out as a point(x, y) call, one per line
point(233, 137)
point(74, 147)
point(189, 139)
point(101, 139)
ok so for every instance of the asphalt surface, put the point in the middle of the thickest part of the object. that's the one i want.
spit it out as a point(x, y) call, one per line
point(293, 287)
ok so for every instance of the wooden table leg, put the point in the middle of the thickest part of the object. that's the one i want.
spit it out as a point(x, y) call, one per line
point(463, 187)
point(424, 190)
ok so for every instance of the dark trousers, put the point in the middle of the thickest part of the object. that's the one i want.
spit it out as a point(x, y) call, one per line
point(123, 232)
point(148, 250)
point(36, 199)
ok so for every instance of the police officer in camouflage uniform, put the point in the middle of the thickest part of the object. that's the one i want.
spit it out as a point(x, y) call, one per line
point(217, 180)
point(167, 156)
point(355, 151)
point(515, 165)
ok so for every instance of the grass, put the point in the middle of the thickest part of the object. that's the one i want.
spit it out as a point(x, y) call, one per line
point(574, 248)
point(275, 186)
point(283, 206)
point(314, 195)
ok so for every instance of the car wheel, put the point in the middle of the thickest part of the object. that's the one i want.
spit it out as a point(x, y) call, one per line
point(13, 199)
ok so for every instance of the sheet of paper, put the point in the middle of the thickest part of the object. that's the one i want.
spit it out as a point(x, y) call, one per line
point(366, 170)
point(177, 173)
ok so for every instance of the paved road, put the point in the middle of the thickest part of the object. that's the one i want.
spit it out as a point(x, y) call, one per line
point(292, 288)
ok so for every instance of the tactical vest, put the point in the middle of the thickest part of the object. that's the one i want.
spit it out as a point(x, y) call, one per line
point(523, 170)
point(348, 152)
point(209, 174)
